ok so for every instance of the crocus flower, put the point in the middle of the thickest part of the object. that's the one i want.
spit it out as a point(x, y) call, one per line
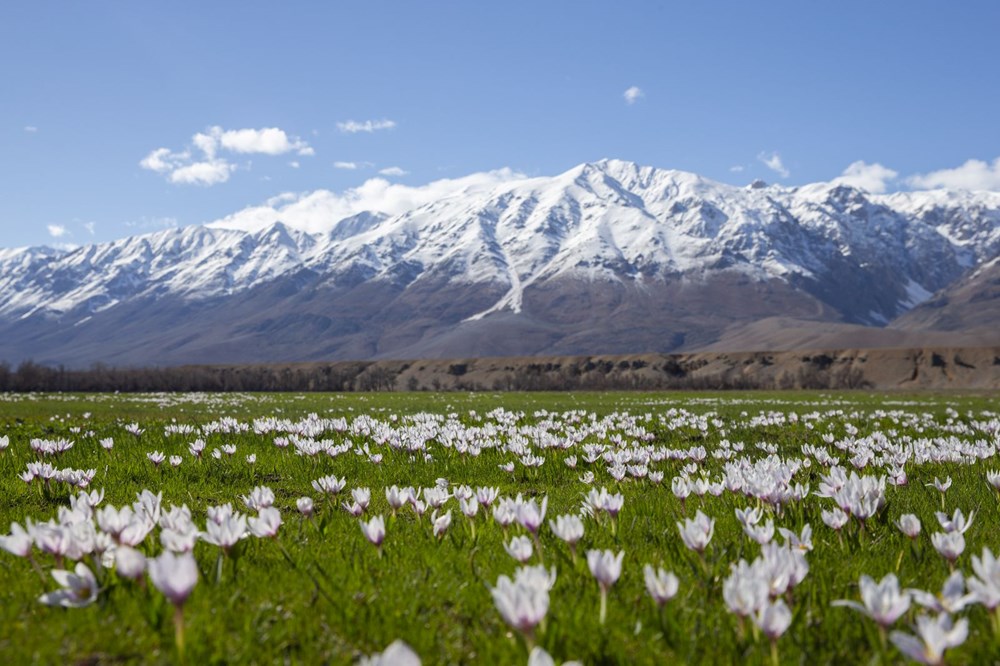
point(374, 530)
point(18, 542)
point(129, 562)
point(79, 588)
point(697, 533)
point(266, 524)
point(935, 636)
point(441, 523)
point(397, 654)
point(883, 601)
point(305, 506)
point(952, 598)
point(909, 525)
point(520, 548)
point(521, 605)
point(661, 585)
point(606, 567)
point(986, 583)
point(949, 544)
point(174, 575)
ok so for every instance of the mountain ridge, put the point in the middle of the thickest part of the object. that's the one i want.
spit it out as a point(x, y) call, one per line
point(658, 260)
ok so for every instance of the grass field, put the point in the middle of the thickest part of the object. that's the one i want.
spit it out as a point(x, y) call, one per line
point(320, 592)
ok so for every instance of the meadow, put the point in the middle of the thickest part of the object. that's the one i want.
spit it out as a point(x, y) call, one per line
point(640, 528)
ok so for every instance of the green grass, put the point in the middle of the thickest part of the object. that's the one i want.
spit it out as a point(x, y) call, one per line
point(335, 599)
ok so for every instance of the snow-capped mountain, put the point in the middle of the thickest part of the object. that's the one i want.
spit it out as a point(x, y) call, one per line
point(608, 256)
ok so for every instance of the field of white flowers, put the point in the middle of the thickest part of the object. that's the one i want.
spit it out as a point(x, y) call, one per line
point(500, 529)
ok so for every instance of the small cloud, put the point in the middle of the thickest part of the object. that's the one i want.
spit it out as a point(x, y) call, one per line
point(294, 164)
point(393, 171)
point(973, 175)
point(207, 173)
point(773, 162)
point(90, 226)
point(30, 129)
point(350, 166)
point(738, 168)
point(871, 177)
point(57, 230)
point(353, 126)
point(633, 95)
point(210, 169)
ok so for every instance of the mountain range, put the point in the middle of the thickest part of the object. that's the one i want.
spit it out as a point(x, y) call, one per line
point(608, 257)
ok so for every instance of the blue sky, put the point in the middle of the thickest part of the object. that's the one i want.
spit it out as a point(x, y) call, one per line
point(792, 92)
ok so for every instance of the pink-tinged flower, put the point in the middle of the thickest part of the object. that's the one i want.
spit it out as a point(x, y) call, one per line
point(469, 507)
point(661, 585)
point(398, 497)
point(227, 533)
point(374, 530)
point(884, 602)
point(175, 461)
point(174, 575)
point(568, 527)
point(773, 619)
point(441, 523)
point(951, 599)
point(957, 522)
point(156, 457)
point(606, 567)
point(18, 542)
point(362, 497)
point(986, 583)
point(520, 548)
point(697, 533)
point(397, 654)
point(949, 544)
point(266, 524)
point(305, 506)
point(834, 518)
point(993, 478)
point(259, 498)
point(521, 605)
point(79, 588)
point(539, 657)
point(530, 515)
point(177, 541)
point(329, 485)
point(107, 443)
point(909, 525)
point(935, 636)
point(487, 495)
point(129, 562)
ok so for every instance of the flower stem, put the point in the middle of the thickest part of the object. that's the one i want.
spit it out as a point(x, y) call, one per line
point(604, 604)
point(179, 632)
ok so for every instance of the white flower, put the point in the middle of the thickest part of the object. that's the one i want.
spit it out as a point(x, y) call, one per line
point(697, 533)
point(661, 585)
point(441, 523)
point(374, 530)
point(956, 523)
point(259, 498)
point(266, 524)
point(18, 542)
point(835, 518)
point(883, 601)
point(79, 588)
point(909, 525)
point(129, 562)
point(773, 619)
point(521, 605)
point(605, 566)
point(530, 515)
point(949, 544)
point(520, 548)
point(952, 598)
point(936, 635)
point(397, 654)
point(174, 575)
point(568, 527)
point(986, 583)
point(305, 506)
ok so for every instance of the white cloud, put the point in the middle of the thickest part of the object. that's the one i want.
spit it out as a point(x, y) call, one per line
point(973, 175)
point(90, 226)
point(633, 95)
point(773, 162)
point(321, 209)
point(871, 177)
point(350, 166)
point(393, 171)
point(210, 169)
point(738, 168)
point(353, 126)
point(294, 164)
point(30, 129)
point(211, 172)
point(269, 141)
point(57, 230)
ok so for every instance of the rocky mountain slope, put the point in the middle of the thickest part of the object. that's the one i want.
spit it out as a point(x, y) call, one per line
point(608, 257)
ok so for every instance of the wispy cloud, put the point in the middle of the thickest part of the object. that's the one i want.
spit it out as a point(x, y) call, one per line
point(393, 171)
point(737, 168)
point(973, 175)
point(773, 162)
point(874, 178)
point(152, 223)
point(57, 230)
point(349, 166)
point(188, 167)
point(633, 94)
point(354, 126)
point(90, 227)
point(30, 129)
